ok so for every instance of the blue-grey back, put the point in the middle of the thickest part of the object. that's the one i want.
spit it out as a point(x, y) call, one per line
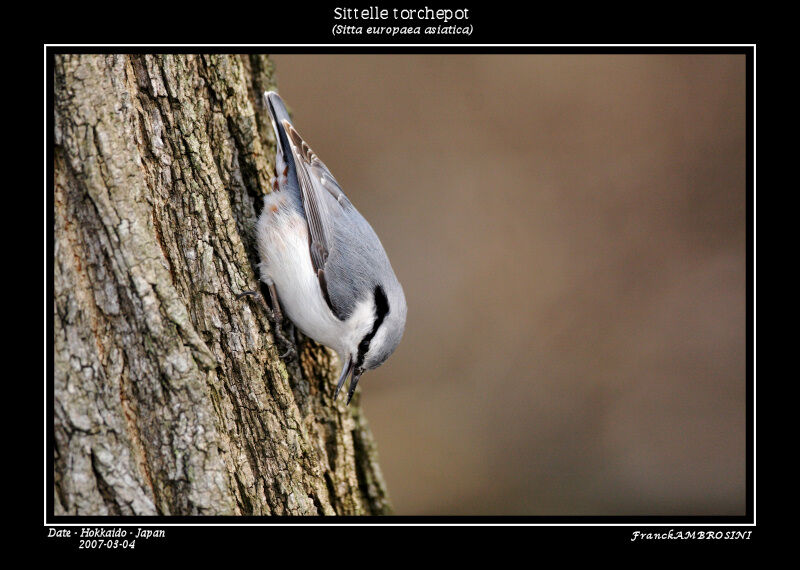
point(356, 261)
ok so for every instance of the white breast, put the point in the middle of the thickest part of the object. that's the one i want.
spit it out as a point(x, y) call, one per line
point(282, 238)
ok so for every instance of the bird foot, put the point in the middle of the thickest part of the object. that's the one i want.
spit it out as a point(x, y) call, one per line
point(276, 317)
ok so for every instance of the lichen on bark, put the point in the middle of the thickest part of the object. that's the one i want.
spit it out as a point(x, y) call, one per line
point(170, 396)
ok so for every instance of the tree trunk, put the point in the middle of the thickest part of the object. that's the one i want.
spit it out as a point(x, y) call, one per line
point(170, 396)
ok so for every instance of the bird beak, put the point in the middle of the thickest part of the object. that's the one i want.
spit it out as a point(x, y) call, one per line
point(356, 376)
point(347, 367)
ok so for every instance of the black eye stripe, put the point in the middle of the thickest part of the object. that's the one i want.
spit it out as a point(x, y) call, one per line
point(381, 310)
point(381, 306)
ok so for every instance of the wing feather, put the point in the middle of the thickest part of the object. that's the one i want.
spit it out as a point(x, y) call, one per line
point(316, 181)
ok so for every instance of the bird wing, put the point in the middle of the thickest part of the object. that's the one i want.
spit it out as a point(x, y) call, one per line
point(317, 186)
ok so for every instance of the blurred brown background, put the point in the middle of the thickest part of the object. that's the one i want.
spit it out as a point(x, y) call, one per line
point(570, 234)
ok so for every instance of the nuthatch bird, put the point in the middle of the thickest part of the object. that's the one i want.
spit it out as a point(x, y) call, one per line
point(322, 261)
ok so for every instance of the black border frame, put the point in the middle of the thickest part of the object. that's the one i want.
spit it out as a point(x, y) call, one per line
point(633, 521)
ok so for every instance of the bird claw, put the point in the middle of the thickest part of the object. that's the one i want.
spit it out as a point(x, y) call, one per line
point(248, 294)
point(290, 349)
point(278, 331)
point(276, 318)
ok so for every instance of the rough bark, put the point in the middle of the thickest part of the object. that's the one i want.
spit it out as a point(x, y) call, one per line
point(170, 396)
